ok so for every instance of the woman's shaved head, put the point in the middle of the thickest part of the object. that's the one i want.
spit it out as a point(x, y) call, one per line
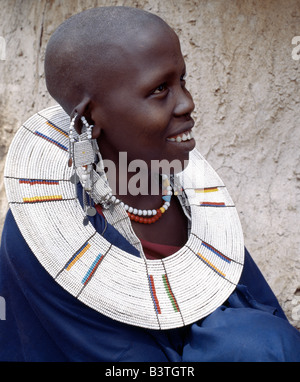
point(88, 47)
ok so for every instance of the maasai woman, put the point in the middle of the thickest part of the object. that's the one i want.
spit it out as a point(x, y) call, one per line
point(102, 261)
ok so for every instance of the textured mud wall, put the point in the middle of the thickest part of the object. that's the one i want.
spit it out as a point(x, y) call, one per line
point(246, 89)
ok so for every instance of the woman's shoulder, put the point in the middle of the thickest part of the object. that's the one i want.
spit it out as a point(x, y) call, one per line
point(11, 236)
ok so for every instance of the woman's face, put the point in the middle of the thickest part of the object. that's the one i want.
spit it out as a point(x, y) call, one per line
point(142, 105)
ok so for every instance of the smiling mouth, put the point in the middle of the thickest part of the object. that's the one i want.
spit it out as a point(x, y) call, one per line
point(182, 137)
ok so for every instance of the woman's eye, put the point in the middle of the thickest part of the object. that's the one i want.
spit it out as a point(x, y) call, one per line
point(160, 88)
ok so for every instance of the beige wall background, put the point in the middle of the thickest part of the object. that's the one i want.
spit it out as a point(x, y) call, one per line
point(245, 83)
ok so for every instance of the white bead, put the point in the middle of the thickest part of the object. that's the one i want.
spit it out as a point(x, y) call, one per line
point(154, 212)
point(164, 176)
point(149, 212)
point(126, 207)
point(130, 209)
point(145, 212)
point(113, 198)
point(135, 211)
point(140, 212)
point(167, 204)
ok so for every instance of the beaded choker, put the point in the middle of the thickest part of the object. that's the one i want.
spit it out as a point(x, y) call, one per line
point(147, 216)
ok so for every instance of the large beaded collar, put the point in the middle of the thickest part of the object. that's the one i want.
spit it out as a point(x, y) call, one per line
point(156, 294)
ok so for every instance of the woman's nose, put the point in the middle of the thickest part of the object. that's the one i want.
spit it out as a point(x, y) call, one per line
point(184, 102)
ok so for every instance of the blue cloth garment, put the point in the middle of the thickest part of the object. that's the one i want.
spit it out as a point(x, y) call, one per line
point(46, 323)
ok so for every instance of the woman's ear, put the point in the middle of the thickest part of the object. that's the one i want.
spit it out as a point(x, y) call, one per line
point(96, 132)
point(83, 109)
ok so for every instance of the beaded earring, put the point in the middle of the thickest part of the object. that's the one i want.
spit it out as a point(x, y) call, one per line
point(82, 158)
point(72, 138)
point(71, 141)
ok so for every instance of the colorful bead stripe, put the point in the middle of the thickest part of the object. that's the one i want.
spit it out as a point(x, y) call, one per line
point(77, 256)
point(39, 199)
point(51, 140)
point(212, 204)
point(206, 189)
point(57, 128)
point(153, 294)
point(169, 292)
point(92, 269)
point(38, 181)
point(211, 265)
point(215, 251)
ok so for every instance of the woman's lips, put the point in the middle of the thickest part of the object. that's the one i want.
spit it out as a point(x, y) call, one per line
point(182, 137)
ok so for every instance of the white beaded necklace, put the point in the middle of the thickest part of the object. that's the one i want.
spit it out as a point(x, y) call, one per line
point(146, 216)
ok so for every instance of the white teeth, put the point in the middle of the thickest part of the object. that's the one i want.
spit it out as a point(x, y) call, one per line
point(182, 137)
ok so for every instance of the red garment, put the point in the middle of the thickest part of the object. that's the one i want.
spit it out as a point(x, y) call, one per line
point(154, 251)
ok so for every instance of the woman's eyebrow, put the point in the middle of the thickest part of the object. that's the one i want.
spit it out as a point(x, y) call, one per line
point(157, 78)
point(151, 81)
